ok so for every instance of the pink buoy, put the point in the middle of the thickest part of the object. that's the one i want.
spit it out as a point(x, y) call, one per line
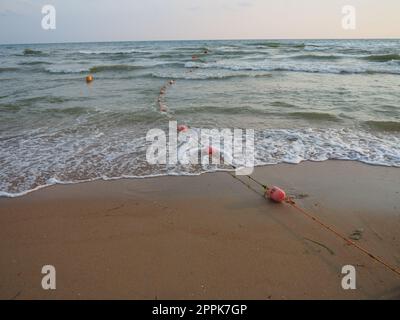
point(182, 128)
point(211, 151)
point(276, 194)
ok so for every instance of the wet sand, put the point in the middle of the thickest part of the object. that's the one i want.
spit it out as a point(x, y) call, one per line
point(205, 237)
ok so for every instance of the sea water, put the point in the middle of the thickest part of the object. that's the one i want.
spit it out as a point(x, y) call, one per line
point(306, 100)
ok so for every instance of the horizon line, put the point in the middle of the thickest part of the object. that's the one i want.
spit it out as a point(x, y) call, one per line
point(183, 40)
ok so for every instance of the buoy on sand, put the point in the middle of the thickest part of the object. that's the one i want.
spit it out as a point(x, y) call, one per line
point(89, 78)
point(276, 194)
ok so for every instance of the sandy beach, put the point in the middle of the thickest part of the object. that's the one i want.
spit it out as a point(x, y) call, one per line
point(205, 237)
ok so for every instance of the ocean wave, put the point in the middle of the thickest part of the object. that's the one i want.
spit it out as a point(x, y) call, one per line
point(382, 57)
point(114, 67)
point(316, 57)
point(215, 53)
point(56, 181)
point(204, 76)
point(31, 52)
point(171, 55)
point(8, 69)
point(386, 126)
point(222, 110)
point(277, 44)
point(314, 116)
point(66, 70)
point(92, 155)
point(94, 69)
point(34, 63)
point(27, 102)
point(237, 53)
point(192, 49)
point(113, 52)
point(277, 65)
point(68, 111)
point(297, 145)
point(353, 51)
point(309, 116)
point(111, 67)
point(282, 104)
point(10, 107)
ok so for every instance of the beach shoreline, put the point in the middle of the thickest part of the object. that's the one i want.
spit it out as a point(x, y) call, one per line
point(304, 100)
point(205, 237)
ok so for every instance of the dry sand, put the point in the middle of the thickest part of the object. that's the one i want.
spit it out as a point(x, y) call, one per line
point(205, 237)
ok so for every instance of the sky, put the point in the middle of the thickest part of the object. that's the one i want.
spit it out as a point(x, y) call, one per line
point(130, 20)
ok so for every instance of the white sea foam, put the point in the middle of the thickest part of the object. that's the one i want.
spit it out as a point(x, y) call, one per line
point(29, 167)
point(297, 66)
point(66, 69)
point(115, 51)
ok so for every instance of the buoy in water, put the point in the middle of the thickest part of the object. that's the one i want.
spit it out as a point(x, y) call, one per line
point(89, 78)
point(182, 128)
point(276, 194)
point(211, 150)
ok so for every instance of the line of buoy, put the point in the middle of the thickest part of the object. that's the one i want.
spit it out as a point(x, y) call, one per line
point(278, 195)
point(274, 193)
point(161, 97)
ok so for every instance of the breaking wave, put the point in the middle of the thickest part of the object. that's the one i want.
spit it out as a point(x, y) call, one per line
point(382, 58)
point(388, 126)
point(124, 157)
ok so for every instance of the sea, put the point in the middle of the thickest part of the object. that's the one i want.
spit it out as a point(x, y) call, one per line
point(306, 100)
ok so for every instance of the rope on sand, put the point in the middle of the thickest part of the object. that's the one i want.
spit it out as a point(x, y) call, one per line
point(288, 200)
point(338, 234)
point(292, 203)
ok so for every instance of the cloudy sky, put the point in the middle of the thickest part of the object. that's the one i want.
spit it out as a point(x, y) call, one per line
point(112, 20)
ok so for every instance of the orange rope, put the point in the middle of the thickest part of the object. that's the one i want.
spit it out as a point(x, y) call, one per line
point(350, 242)
point(291, 202)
